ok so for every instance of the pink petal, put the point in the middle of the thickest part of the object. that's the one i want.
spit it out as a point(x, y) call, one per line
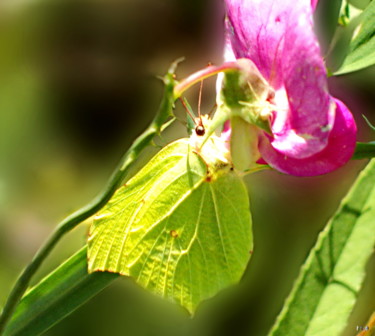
point(257, 29)
point(340, 148)
point(313, 4)
point(278, 37)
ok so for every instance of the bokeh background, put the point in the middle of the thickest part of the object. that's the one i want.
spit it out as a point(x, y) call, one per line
point(78, 83)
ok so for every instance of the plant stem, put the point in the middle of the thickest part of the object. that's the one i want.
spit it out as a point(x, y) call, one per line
point(119, 175)
point(207, 72)
point(364, 150)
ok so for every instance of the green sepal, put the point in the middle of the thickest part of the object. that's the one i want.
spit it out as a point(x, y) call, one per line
point(243, 144)
point(244, 93)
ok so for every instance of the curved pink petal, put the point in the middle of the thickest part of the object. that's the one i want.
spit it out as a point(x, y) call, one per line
point(257, 30)
point(340, 148)
point(278, 37)
point(313, 4)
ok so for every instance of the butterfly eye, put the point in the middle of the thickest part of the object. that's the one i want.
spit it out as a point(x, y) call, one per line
point(200, 130)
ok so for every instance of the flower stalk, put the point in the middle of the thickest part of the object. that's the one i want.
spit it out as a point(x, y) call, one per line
point(196, 77)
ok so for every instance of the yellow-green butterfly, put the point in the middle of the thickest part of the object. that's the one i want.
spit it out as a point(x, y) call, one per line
point(181, 227)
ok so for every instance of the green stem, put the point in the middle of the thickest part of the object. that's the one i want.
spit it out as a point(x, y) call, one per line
point(90, 209)
point(364, 150)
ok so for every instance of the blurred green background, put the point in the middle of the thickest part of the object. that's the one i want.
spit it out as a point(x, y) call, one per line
point(78, 83)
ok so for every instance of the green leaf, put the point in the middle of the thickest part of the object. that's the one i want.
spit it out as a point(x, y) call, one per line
point(181, 227)
point(56, 296)
point(326, 17)
point(362, 47)
point(326, 289)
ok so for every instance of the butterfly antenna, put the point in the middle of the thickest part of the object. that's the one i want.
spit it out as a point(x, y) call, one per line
point(187, 110)
point(200, 101)
point(199, 129)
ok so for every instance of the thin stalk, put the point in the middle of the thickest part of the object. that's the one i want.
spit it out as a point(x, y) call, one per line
point(364, 150)
point(119, 175)
point(200, 75)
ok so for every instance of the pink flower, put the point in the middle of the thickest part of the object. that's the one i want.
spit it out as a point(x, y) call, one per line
point(312, 132)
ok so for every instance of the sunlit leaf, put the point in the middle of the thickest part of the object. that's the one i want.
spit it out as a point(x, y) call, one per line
point(181, 227)
point(325, 17)
point(56, 296)
point(327, 288)
point(362, 47)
